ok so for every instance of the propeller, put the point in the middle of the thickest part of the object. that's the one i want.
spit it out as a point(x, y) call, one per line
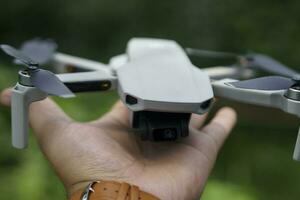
point(265, 83)
point(268, 64)
point(44, 80)
point(41, 51)
point(250, 60)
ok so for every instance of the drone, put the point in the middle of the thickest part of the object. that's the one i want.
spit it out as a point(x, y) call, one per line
point(157, 82)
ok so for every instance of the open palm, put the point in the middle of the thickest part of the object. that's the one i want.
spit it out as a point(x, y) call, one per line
point(108, 149)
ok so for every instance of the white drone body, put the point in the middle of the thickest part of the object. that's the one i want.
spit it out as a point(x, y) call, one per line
point(160, 77)
point(156, 80)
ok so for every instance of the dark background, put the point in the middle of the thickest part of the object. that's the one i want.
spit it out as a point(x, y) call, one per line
point(256, 161)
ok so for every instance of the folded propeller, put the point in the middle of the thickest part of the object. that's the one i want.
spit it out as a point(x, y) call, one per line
point(44, 80)
point(259, 62)
point(250, 60)
point(41, 51)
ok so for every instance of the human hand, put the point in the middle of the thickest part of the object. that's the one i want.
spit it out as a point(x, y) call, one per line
point(107, 149)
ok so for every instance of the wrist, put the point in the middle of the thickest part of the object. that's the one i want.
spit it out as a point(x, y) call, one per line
point(77, 187)
point(101, 190)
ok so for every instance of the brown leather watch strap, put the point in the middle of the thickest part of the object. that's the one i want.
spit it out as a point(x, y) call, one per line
point(111, 190)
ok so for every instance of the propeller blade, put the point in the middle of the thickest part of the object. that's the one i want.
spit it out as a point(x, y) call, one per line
point(11, 51)
point(265, 83)
point(42, 51)
point(268, 64)
point(211, 54)
point(49, 83)
point(256, 61)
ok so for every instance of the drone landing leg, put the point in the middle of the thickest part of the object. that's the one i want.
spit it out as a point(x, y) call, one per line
point(296, 155)
point(22, 97)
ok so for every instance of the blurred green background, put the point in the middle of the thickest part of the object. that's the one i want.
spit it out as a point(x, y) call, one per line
point(256, 161)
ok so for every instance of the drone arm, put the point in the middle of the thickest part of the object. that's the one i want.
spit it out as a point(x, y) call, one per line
point(64, 60)
point(274, 99)
point(89, 81)
point(22, 97)
point(220, 72)
point(223, 89)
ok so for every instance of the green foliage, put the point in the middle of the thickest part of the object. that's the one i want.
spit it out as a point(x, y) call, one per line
point(255, 163)
point(223, 190)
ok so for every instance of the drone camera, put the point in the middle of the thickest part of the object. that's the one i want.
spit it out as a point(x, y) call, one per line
point(165, 134)
point(161, 126)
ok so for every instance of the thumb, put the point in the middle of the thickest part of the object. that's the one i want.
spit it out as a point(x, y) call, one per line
point(212, 136)
point(221, 125)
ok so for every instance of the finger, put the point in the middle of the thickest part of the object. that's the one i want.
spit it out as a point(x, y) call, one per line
point(118, 114)
point(119, 109)
point(5, 97)
point(221, 125)
point(44, 116)
point(197, 121)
